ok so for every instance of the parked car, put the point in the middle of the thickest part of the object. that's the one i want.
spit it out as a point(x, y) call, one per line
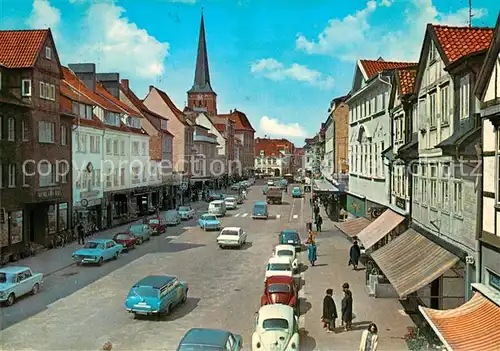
point(232, 237)
point(231, 203)
point(127, 240)
point(244, 184)
point(210, 339)
point(17, 281)
point(209, 221)
point(157, 226)
point(141, 231)
point(260, 210)
point(186, 212)
point(217, 208)
point(214, 196)
point(287, 251)
point(156, 294)
point(277, 328)
point(98, 251)
point(270, 182)
point(279, 289)
point(291, 237)
point(236, 186)
point(279, 266)
point(296, 192)
point(172, 217)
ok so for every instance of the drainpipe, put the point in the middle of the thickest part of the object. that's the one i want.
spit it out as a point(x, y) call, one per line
point(388, 82)
point(479, 215)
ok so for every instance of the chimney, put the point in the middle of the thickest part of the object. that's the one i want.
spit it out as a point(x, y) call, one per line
point(151, 87)
point(85, 72)
point(125, 84)
point(111, 82)
point(230, 111)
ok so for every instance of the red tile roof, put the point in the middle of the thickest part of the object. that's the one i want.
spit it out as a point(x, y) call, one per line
point(458, 42)
point(73, 95)
point(107, 95)
point(240, 119)
point(272, 146)
point(406, 78)
point(372, 67)
point(20, 48)
point(472, 326)
point(220, 127)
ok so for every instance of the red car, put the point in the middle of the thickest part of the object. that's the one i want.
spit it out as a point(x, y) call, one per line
point(158, 225)
point(279, 289)
point(127, 240)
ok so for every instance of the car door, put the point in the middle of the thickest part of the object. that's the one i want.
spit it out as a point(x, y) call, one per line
point(22, 287)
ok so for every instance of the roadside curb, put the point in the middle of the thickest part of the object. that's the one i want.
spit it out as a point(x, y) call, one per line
point(60, 269)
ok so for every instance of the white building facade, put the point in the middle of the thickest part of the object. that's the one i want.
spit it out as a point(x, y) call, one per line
point(328, 162)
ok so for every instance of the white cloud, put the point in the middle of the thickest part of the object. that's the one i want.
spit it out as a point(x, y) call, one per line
point(43, 15)
point(273, 127)
point(386, 3)
point(354, 37)
point(276, 71)
point(116, 44)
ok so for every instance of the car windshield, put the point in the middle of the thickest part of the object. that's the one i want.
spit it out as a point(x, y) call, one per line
point(275, 323)
point(215, 205)
point(290, 236)
point(137, 228)
point(3, 278)
point(144, 291)
point(279, 288)
point(154, 221)
point(230, 199)
point(183, 209)
point(209, 218)
point(122, 237)
point(285, 253)
point(171, 214)
point(259, 208)
point(92, 245)
point(278, 267)
point(229, 232)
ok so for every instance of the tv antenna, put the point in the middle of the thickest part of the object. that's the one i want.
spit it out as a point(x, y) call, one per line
point(470, 13)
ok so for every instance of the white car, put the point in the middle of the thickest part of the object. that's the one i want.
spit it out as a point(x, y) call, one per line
point(232, 237)
point(276, 329)
point(287, 251)
point(270, 183)
point(231, 202)
point(279, 266)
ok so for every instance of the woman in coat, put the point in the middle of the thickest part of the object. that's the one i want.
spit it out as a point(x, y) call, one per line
point(312, 253)
point(354, 255)
point(369, 339)
point(347, 310)
point(329, 311)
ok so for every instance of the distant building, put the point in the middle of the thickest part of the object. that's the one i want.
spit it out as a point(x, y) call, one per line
point(274, 156)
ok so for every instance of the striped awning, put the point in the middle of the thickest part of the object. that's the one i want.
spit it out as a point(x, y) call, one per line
point(411, 261)
point(353, 227)
point(379, 228)
point(473, 326)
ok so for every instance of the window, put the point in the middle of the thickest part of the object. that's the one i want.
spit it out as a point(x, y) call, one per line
point(63, 216)
point(421, 114)
point(432, 52)
point(445, 105)
point(12, 175)
point(42, 90)
point(108, 147)
point(48, 52)
point(432, 109)
point(122, 176)
point(493, 279)
point(82, 142)
point(457, 198)
point(115, 147)
point(108, 181)
point(135, 148)
point(88, 111)
point(24, 131)
point(112, 118)
point(46, 131)
point(64, 172)
point(122, 148)
point(434, 193)
point(144, 148)
point(47, 174)
point(64, 135)
point(464, 96)
point(95, 144)
point(115, 178)
point(26, 87)
point(16, 227)
point(424, 183)
point(135, 175)
point(11, 129)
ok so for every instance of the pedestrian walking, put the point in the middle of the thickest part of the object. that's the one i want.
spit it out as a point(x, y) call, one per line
point(316, 211)
point(80, 233)
point(369, 339)
point(319, 222)
point(312, 253)
point(329, 311)
point(354, 255)
point(347, 302)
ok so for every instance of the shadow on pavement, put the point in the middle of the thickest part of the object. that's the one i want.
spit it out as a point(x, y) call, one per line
point(182, 310)
point(321, 265)
point(304, 306)
point(307, 342)
point(360, 325)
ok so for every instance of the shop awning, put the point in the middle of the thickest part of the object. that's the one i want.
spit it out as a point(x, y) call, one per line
point(324, 185)
point(412, 261)
point(352, 227)
point(472, 326)
point(379, 228)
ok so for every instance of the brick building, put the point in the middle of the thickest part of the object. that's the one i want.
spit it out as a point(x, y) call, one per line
point(34, 134)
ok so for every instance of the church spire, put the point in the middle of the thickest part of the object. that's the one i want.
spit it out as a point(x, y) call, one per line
point(202, 74)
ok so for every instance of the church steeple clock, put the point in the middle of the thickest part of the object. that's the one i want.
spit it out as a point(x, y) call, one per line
point(201, 96)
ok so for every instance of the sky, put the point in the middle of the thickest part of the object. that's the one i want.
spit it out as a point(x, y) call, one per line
point(279, 61)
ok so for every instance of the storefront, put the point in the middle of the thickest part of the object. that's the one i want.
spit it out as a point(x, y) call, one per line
point(118, 208)
point(331, 197)
point(356, 204)
point(88, 211)
point(11, 233)
point(43, 221)
point(141, 201)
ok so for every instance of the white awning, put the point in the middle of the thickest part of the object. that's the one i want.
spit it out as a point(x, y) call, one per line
point(324, 185)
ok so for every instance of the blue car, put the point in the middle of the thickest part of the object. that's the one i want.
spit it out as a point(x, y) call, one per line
point(296, 192)
point(260, 210)
point(98, 251)
point(156, 294)
point(209, 221)
point(290, 237)
point(141, 231)
point(210, 339)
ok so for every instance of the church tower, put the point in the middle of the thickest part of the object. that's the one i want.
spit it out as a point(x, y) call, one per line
point(201, 96)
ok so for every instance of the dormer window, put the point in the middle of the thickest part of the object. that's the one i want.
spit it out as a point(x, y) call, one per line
point(163, 124)
point(48, 53)
point(133, 122)
point(112, 118)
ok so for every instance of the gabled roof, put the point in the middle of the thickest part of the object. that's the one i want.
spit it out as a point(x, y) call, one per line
point(73, 94)
point(371, 67)
point(271, 147)
point(178, 113)
point(489, 62)
point(107, 95)
point(240, 119)
point(66, 106)
point(20, 48)
point(406, 79)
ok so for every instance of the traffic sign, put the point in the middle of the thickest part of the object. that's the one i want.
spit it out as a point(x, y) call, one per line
point(184, 186)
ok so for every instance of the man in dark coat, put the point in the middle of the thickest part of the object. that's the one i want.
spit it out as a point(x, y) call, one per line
point(80, 233)
point(354, 255)
point(319, 222)
point(329, 311)
point(347, 302)
point(316, 211)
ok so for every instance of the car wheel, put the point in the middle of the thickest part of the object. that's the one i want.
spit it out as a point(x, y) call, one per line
point(35, 289)
point(11, 299)
point(115, 257)
point(221, 246)
point(139, 241)
point(184, 298)
point(101, 260)
point(168, 309)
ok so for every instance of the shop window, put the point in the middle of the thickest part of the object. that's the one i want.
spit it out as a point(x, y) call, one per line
point(16, 227)
point(51, 220)
point(4, 229)
point(493, 279)
point(63, 216)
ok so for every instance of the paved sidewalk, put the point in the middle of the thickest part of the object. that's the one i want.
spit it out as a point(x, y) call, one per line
point(54, 260)
point(332, 271)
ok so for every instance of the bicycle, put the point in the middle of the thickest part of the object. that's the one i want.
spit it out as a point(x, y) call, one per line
point(57, 241)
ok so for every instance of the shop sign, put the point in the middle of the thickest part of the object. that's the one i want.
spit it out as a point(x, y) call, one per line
point(401, 203)
point(48, 193)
